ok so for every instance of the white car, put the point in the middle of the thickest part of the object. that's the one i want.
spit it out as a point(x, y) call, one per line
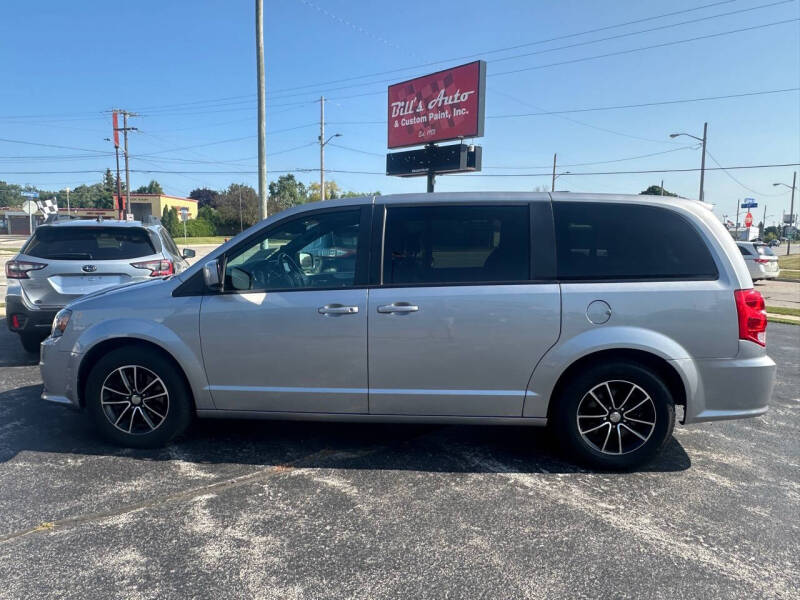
point(760, 260)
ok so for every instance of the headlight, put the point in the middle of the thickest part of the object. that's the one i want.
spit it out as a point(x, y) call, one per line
point(60, 322)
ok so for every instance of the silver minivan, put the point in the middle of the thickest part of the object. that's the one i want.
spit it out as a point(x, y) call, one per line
point(65, 260)
point(595, 314)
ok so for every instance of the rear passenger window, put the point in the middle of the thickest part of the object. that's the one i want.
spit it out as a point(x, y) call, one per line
point(597, 241)
point(456, 244)
point(89, 243)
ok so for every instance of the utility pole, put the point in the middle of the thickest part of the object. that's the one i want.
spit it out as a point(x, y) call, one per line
point(322, 148)
point(553, 186)
point(115, 137)
point(737, 220)
point(703, 161)
point(241, 224)
point(791, 214)
point(67, 203)
point(124, 129)
point(662, 187)
point(262, 109)
point(764, 223)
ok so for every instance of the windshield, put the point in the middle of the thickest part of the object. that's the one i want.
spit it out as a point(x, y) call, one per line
point(764, 250)
point(89, 243)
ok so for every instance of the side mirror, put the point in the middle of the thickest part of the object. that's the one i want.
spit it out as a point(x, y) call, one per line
point(241, 279)
point(188, 253)
point(306, 260)
point(211, 275)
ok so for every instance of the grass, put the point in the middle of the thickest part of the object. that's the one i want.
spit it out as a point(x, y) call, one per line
point(789, 262)
point(783, 321)
point(214, 239)
point(782, 310)
point(4, 250)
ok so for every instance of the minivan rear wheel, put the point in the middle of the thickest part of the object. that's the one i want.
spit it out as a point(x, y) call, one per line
point(137, 398)
point(615, 416)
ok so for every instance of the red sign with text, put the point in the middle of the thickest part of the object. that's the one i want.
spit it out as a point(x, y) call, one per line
point(447, 105)
point(748, 220)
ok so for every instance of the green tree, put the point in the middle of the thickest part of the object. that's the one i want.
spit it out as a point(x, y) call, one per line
point(656, 190)
point(204, 197)
point(287, 192)
point(10, 194)
point(151, 188)
point(170, 221)
point(332, 190)
point(237, 209)
point(109, 182)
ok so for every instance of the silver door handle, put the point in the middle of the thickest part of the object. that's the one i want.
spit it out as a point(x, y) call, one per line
point(337, 309)
point(398, 307)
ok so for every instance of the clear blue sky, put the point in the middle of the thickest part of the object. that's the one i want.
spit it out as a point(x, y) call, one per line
point(189, 68)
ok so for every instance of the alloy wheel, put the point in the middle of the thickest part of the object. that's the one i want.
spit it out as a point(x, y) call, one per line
point(134, 399)
point(616, 417)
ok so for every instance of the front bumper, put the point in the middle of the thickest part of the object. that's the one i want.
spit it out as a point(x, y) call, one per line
point(28, 319)
point(735, 388)
point(59, 371)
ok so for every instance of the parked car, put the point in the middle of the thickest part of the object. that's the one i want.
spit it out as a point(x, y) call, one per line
point(64, 260)
point(760, 260)
point(774, 243)
point(594, 314)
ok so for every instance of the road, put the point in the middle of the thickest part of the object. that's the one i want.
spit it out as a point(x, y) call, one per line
point(304, 510)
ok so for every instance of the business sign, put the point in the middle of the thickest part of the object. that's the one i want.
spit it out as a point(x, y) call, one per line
point(453, 158)
point(30, 194)
point(447, 105)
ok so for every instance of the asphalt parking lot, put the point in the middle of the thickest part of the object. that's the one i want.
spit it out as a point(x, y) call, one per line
point(304, 510)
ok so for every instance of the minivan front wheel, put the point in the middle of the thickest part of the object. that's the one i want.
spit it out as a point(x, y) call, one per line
point(615, 416)
point(136, 398)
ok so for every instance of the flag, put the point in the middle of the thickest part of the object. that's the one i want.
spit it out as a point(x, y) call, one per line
point(48, 207)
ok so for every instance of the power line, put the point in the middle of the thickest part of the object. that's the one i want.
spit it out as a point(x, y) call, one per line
point(643, 31)
point(565, 62)
point(643, 104)
point(316, 169)
point(643, 48)
point(505, 49)
point(238, 99)
point(749, 189)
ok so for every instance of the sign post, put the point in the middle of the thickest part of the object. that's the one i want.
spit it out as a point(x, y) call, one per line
point(443, 106)
point(184, 217)
point(30, 208)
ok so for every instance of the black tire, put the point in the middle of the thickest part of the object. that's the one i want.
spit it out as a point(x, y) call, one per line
point(592, 447)
point(177, 409)
point(31, 342)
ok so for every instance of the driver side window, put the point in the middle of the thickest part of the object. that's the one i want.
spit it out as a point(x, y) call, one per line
point(312, 251)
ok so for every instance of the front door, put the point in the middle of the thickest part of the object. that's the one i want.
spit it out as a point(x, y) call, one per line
point(459, 323)
point(288, 333)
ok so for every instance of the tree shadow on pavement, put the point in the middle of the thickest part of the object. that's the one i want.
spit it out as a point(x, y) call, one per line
point(29, 424)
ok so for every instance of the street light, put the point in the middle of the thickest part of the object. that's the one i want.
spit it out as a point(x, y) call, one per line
point(703, 159)
point(791, 208)
point(322, 145)
point(556, 176)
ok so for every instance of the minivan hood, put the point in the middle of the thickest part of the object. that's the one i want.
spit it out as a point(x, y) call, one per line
point(119, 289)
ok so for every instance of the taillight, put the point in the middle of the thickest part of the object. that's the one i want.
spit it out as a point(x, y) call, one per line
point(158, 268)
point(752, 316)
point(761, 261)
point(19, 269)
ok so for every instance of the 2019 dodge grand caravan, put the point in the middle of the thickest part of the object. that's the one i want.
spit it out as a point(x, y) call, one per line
point(595, 314)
